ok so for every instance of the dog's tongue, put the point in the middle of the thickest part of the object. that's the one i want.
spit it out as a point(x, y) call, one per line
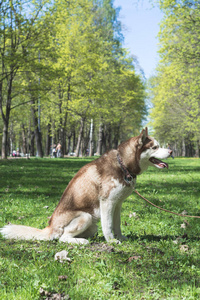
point(158, 162)
point(163, 165)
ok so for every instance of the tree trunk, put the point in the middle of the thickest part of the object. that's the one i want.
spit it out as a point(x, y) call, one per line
point(32, 150)
point(109, 137)
point(183, 148)
point(78, 147)
point(24, 142)
point(6, 115)
point(197, 149)
point(4, 150)
point(63, 135)
point(48, 140)
point(91, 143)
point(116, 137)
point(104, 146)
point(11, 139)
point(38, 142)
point(81, 148)
point(100, 139)
point(63, 143)
point(31, 140)
point(74, 140)
point(36, 130)
point(69, 143)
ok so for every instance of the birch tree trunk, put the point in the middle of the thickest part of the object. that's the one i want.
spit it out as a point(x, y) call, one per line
point(91, 143)
point(183, 148)
point(78, 147)
point(197, 149)
point(100, 139)
point(69, 143)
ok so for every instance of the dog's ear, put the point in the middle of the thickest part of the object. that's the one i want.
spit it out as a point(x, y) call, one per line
point(142, 137)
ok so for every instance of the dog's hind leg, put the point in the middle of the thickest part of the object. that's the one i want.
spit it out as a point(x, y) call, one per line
point(76, 227)
point(89, 232)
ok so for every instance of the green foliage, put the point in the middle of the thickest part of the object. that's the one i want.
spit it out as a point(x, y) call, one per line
point(175, 88)
point(68, 64)
point(21, 35)
point(150, 265)
point(93, 66)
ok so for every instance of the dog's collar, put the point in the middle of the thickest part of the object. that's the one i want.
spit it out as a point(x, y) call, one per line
point(128, 177)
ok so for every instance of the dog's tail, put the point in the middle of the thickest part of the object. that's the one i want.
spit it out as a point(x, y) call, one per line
point(25, 232)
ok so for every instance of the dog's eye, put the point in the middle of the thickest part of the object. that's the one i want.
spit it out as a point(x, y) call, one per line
point(155, 147)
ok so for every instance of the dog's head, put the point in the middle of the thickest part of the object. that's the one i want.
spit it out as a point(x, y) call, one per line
point(150, 152)
point(140, 152)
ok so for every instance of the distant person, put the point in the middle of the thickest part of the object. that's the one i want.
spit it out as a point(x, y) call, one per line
point(170, 149)
point(54, 151)
point(58, 149)
point(18, 154)
point(14, 154)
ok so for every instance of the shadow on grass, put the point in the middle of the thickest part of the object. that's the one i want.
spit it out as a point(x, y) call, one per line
point(156, 238)
point(37, 176)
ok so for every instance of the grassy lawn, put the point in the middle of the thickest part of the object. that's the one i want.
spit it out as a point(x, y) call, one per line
point(161, 259)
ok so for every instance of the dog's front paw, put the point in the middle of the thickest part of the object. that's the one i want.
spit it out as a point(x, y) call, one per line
point(114, 241)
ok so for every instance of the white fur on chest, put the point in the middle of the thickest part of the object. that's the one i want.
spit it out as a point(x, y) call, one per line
point(119, 192)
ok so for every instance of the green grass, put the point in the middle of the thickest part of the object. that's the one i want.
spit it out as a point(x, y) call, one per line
point(150, 265)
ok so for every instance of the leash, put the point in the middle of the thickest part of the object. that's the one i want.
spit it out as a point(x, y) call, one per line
point(128, 178)
point(171, 212)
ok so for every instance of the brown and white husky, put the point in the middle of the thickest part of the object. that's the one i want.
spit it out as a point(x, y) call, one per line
point(96, 192)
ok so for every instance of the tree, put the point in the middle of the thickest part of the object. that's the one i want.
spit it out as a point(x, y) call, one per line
point(175, 89)
point(73, 72)
point(18, 35)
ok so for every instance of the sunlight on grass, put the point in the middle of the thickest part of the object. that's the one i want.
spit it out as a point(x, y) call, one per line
point(152, 264)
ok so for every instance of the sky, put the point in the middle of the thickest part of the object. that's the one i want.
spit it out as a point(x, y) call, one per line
point(140, 29)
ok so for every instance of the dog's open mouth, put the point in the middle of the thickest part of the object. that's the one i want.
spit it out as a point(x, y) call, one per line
point(158, 163)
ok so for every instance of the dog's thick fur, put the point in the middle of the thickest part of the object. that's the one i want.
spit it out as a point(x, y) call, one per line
point(97, 191)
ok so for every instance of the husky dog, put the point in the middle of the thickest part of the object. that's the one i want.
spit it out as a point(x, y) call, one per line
point(96, 192)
